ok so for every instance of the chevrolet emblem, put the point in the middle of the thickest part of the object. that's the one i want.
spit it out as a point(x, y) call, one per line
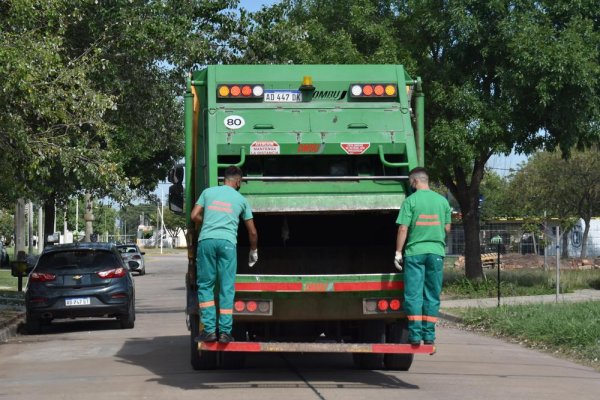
point(77, 277)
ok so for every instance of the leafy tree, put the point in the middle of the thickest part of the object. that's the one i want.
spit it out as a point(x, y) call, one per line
point(495, 73)
point(92, 92)
point(174, 223)
point(562, 188)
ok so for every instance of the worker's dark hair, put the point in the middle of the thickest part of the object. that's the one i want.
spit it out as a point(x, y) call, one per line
point(419, 174)
point(232, 172)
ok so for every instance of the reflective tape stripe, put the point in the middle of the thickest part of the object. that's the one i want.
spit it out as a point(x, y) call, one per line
point(415, 318)
point(428, 216)
point(430, 319)
point(226, 311)
point(428, 223)
point(207, 304)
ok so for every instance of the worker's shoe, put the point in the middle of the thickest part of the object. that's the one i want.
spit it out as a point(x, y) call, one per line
point(206, 337)
point(225, 337)
point(414, 342)
point(429, 342)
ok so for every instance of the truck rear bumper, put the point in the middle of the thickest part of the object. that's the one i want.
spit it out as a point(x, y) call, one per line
point(283, 347)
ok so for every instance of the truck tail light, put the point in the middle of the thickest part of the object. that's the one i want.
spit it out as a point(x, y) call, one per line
point(253, 307)
point(373, 90)
point(41, 277)
point(240, 91)
point(382, 306)
point(111, 273)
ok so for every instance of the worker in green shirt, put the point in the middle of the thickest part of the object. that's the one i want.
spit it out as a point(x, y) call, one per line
point(424, 221)
point(218, 210)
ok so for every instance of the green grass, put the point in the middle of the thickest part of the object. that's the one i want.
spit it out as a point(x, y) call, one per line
point(570, 329)
point(526, 282)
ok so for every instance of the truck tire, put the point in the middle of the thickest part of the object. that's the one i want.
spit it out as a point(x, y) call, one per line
point(370, 332)
point(201, 360)
point(235, 359)
point(397, 332)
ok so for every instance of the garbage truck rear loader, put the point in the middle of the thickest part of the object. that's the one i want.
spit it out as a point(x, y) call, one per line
point(326, 151)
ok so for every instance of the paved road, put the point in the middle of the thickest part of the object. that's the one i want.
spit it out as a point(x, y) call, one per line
point(96, 360)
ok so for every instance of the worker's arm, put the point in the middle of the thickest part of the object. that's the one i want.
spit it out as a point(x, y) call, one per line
point(252, 234)
point(197, 214)
point(447, 228)
point(401, 237)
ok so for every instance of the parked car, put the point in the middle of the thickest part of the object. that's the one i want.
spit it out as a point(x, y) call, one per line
point(133, 257)
point(79, 280)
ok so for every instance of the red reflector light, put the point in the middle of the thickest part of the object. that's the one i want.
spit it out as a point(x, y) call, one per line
point(239, 306)
point(246, 90)
point(383, 305)
point(119, 296)
point(395, 304)
point(112, 273)
point(251, 306)
point(235, 91)
point(38, 300)
point(367, 90)
point(41, 277)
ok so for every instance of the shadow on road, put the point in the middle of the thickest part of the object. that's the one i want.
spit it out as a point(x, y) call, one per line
point(167, 357)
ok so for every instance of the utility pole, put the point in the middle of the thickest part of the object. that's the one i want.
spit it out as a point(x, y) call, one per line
point(40, 241)
point(30, 227)
point(89, 217)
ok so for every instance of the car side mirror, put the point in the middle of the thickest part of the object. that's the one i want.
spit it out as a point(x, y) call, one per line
point(142, 252)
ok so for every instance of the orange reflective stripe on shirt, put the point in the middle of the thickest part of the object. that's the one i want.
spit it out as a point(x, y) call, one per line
point(428, 223)
point(435, 217)
point(207, 304)
point(226, 311)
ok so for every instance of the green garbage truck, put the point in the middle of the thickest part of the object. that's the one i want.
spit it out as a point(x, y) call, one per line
point(325, 151)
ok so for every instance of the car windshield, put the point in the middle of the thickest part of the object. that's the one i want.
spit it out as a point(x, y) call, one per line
point(79, 259)
point(127, 249)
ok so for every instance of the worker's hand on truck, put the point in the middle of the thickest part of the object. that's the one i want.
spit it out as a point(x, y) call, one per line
point(252, 258)
point(398, 261)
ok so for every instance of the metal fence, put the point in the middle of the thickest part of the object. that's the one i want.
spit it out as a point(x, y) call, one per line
point(516, 239)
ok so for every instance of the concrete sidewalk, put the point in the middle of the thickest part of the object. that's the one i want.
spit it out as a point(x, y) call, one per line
point(576, 296)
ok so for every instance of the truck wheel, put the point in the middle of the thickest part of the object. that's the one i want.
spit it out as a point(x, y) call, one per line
point(370, 332)
point(398, 333)
point(201, 360)
point(235, 359)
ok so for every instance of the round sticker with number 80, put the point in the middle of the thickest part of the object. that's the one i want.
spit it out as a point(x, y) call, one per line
point(234, 122)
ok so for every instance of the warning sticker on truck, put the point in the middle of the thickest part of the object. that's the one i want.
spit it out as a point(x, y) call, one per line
point(355, 148)
point(264, 147)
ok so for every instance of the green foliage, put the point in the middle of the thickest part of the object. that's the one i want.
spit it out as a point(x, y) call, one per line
point(571, 329)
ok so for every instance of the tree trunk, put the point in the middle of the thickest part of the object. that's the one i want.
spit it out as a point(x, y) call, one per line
point(49, 208)
point(565, 244)
point(473, 268)
point(584, 239)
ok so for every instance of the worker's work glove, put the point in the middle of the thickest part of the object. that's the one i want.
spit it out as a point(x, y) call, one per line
point(398, 261)
point(252, 258)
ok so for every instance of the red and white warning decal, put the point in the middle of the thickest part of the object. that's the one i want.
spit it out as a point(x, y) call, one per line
point(355, 148)
point(261, 147)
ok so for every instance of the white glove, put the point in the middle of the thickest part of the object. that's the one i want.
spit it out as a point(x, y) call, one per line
point(252, 258)
point(398, 261)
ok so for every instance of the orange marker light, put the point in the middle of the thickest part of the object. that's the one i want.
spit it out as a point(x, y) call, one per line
point(367, 90)
point(223, 91)
point(378, 90)
point(235, 91)
point(246, 91)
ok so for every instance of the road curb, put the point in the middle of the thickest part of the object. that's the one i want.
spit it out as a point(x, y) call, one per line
point(10, 327)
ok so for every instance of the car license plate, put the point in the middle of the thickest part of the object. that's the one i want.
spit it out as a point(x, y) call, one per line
point(79, 301)
point(283, 96)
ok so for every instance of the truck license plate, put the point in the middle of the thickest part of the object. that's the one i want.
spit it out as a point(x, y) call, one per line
point(283, 96)
point(80, 301)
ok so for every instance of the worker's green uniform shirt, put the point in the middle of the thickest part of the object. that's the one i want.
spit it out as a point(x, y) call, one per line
point(425, 213)
point(223, 206)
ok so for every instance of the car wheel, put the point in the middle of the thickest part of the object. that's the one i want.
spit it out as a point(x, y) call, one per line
point(33, 325)
point(370, 332)
point(127, 321)
point(398, 333)
point(143, 271)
